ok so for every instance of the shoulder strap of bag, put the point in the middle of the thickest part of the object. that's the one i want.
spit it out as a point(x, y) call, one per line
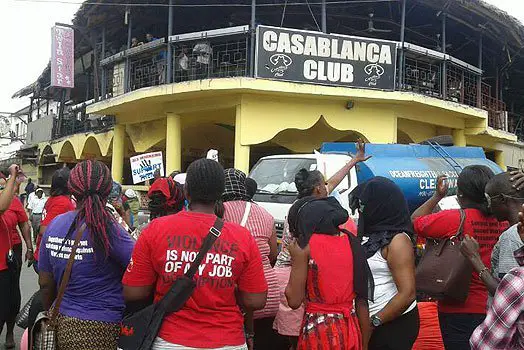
point(458, 235)
point(460, 231)
point(67, 275)
point(214, 232)
point(246, 214)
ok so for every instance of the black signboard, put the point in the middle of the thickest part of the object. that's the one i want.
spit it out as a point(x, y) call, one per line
point(329, 59)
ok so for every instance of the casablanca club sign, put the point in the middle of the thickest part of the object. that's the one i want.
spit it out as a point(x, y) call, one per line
point(329, 59)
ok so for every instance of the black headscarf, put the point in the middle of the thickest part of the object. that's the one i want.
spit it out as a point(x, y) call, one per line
point(383, 213)
point(311, 215)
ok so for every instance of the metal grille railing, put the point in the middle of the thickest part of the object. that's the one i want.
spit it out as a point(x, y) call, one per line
point(229, 56)
point(78, 122)
point(205, 59)
point(422, 77)
point(497, 115)
point(461, 85)
point(148, 70)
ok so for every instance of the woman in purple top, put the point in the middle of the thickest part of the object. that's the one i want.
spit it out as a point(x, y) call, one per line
point(92, 306)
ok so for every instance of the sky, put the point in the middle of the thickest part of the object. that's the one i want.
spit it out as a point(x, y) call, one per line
point(26, 41)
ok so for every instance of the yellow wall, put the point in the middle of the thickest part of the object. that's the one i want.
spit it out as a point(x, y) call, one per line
point(264, 117)
point(236, 115)
point(416, 131)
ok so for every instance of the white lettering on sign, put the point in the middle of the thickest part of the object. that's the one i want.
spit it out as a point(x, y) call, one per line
point(427, 179)
point(421, 174)
point(318, 46)
point(328, 71)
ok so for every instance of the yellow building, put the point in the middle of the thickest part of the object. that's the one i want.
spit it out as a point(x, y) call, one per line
point(195, 90)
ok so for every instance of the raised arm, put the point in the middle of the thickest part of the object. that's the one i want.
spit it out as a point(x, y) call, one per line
point(440, 192)
point(10, 188)
point(336, 179)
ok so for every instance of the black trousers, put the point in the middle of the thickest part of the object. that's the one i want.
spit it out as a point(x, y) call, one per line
point(457, 329)
point(265, 336)
point(10, 295)
point(399, 334)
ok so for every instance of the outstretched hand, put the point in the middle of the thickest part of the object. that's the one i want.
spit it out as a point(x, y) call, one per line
point(442, 187)
point(361, 152)
point(470, 248)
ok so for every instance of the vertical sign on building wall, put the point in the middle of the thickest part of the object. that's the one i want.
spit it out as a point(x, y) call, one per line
point(62, 57)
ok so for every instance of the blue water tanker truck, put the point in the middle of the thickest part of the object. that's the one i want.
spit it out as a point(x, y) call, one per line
point(414, 167)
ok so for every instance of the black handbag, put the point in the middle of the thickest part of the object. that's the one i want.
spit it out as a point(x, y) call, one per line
point(139, 330)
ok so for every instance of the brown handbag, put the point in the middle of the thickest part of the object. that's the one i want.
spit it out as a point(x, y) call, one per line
point(444, 273)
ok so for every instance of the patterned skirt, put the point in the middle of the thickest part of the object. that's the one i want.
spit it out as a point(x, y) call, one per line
point(77, 334)
point(329, 332)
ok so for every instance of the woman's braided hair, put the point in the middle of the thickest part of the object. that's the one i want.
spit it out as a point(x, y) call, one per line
point(90, 183)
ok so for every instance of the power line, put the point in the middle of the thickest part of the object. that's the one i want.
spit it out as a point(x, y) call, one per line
point(70, 2)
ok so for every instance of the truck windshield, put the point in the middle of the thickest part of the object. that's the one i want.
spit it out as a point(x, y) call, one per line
point(277, 175)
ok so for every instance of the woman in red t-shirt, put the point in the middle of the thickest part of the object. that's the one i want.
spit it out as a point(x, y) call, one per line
point(458, 321)
point(328, 274)
point(12, 215)
point(230, 273)
point(58, 203)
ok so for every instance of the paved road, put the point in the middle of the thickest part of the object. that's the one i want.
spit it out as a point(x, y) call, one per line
point(28, 285)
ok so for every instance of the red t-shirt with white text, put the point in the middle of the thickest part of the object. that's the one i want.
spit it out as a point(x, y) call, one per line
point(485, 229)
point(54, 206)
point(21, 216)
point(211, 317)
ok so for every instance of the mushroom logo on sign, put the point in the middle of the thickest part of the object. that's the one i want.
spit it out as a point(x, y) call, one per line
point(280, 64)
point(374, 72)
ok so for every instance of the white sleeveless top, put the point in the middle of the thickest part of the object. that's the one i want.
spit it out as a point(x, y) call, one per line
point(385, 287)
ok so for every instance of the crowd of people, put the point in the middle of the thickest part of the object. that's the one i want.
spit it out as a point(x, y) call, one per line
point(333, 283)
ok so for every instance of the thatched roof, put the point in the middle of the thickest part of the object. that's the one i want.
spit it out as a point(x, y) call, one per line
point(503, 34)
point(36, 86)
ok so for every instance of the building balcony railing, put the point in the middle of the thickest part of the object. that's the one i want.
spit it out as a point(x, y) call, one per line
point(195, 56)
point(230, 52)
point(51, 127)
point(70, 124)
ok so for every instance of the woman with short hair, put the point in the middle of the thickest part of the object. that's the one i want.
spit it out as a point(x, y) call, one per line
point(231, 272)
